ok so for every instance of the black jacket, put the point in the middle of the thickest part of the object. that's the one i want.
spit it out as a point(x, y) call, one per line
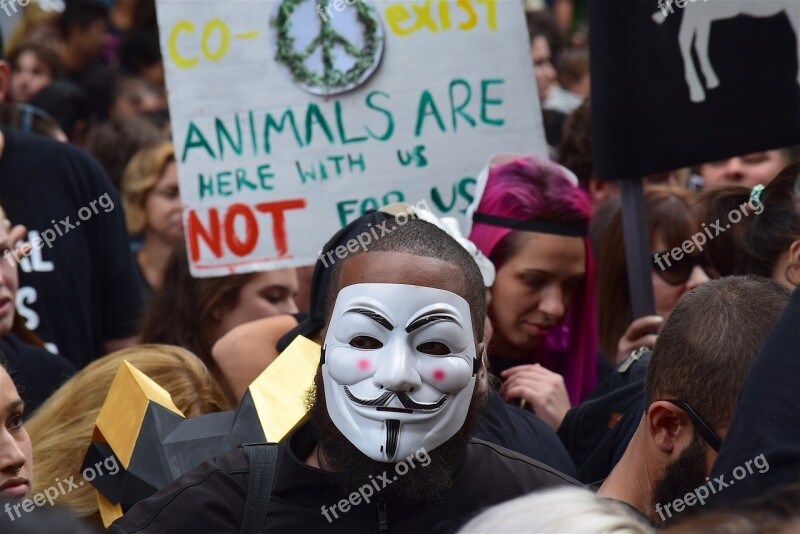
point(598, 430)
point(211, 497)
point(523, 432)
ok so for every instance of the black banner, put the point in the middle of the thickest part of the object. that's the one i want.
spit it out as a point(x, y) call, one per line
point(679, 83)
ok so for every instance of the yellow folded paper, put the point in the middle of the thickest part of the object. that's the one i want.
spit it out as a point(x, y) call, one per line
point(280, 390)
point(278, 395)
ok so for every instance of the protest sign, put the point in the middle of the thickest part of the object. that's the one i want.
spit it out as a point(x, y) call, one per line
point(291, 118)
point(680, 83)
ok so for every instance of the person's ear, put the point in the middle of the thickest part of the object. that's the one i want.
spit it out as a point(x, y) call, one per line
point(488, 332)
point(601, 190)
point(482, 377)
point(5, 78)
point(793, 270)
point(217, 313)
point(668, 427)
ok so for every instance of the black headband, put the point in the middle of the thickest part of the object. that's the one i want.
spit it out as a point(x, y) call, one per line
point(579, 229)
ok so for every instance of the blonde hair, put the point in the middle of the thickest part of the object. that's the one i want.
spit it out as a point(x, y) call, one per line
point(33, 18)
point(565, 509)
point(61, 429)
point(142, 174)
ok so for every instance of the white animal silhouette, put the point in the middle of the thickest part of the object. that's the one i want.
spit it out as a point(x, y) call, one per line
point(696, 26)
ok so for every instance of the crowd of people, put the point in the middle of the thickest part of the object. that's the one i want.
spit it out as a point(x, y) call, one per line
point(500, 364)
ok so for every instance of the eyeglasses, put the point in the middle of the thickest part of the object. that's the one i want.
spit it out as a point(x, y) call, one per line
point(677, 272)
point(705, 431)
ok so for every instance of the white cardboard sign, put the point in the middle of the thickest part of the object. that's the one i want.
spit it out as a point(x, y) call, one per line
point(292, 117)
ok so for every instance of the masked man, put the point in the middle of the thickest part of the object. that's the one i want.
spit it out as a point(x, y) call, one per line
point(387, 446)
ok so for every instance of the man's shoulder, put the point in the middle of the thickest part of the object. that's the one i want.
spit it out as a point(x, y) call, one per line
point(35, 151)
point(26, 141)
point(232, 462)
point(499, 460)
point(523, 432)
point(491, 474)
point(217, 486)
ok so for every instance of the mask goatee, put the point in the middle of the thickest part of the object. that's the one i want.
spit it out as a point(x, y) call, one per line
point(392, 437)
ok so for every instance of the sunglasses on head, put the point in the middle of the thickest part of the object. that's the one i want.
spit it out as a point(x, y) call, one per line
point(677, 272)
point(702, 428)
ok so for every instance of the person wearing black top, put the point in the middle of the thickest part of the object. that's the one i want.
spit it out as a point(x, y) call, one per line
point(502, 424)
point(78, 289)
point(36, 372)
point(424, 345)
point(80, 293)
point(523, 432)
point(211, 497)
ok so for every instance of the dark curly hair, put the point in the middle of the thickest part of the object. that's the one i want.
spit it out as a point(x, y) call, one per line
point(575, 150)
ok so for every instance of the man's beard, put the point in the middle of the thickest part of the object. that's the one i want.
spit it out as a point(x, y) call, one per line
point(682, 476)
point(352, 469)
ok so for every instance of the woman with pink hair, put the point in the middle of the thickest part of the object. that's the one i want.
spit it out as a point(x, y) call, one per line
point(532, 222)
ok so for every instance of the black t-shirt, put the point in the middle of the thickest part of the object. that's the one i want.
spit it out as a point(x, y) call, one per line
point(35, 372)
point(81, 288)
point(211, 497)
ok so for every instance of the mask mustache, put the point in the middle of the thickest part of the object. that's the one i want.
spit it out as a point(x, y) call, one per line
point(404, 399)
point(408, 402)
point(380, 401)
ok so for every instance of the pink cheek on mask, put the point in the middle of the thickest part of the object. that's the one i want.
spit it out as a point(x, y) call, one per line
point(438, 374)
point(363, 365)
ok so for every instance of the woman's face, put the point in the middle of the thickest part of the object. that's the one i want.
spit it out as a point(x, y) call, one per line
point(163, 207)
point(16, 452)
point(266, 294)
point(748, 171)
point(667, 295)
point(29, 77)
point(9, 280)
point(543, 68)
point(534, 289)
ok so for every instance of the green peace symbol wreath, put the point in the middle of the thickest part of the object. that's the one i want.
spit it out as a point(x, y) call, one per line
point(331, 78)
